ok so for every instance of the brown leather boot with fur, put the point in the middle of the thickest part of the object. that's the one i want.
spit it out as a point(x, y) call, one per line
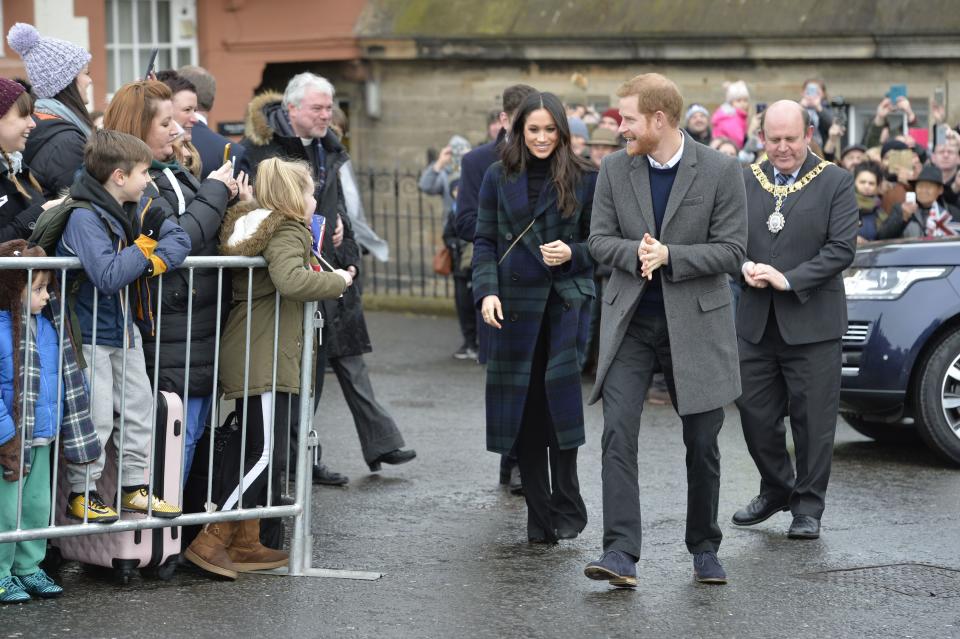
point(247, 553)
point(209, 549)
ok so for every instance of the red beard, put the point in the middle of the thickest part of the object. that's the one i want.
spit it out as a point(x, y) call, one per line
point(644, 145)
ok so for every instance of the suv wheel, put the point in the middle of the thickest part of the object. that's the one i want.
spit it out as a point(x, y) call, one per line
point(883, 432)
point(939, 398)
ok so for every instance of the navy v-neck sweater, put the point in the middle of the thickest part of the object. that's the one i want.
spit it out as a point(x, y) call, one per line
point(661, 183)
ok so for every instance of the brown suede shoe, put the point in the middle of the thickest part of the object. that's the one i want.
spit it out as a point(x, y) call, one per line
point(248, 554)
point(209, 549)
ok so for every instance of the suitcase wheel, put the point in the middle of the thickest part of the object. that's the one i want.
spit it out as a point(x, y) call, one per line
point(163, 572)
point(124, 570)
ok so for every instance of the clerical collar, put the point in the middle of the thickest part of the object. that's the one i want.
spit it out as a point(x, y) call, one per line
point(306, 141)
point(672, 162)
point(201, 117)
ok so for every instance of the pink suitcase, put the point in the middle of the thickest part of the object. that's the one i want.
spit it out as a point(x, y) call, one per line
point(154, 550)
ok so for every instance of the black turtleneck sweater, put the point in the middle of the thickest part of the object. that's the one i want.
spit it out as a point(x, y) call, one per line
point(537, 173)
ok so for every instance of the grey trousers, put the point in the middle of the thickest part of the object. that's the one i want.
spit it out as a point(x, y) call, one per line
point(376, 429)
point(624, 389)
point(108, 387)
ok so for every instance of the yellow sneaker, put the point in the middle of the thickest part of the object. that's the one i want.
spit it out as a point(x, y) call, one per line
point(97, 511)
point(136, 501)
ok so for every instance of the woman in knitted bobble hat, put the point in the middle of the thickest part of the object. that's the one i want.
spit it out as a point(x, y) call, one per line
point(21, 201)
point(59, 72)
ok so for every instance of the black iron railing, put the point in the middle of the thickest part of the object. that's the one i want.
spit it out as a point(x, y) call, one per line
point(412, 224)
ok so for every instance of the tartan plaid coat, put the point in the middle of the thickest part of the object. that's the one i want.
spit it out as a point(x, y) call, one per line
point(523, 283)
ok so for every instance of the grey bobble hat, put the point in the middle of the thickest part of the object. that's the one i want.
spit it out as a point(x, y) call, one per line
point(52, 64)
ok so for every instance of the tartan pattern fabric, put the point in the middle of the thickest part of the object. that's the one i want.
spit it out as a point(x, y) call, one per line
point(77, 435)
point(524, 284)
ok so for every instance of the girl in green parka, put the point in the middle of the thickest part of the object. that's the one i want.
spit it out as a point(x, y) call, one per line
point(280, 232)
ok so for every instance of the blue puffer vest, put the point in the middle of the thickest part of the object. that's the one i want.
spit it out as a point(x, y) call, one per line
point(46, 423)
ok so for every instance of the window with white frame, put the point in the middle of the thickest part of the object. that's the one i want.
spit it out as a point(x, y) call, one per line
point(136, 27)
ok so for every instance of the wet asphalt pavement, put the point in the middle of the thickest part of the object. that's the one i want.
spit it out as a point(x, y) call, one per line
point(452, 544)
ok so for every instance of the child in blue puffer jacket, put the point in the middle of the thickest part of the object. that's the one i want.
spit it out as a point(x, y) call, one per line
point(38, 402)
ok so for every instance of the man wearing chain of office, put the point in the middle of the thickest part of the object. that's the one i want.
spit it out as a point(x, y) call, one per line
point(802, 224)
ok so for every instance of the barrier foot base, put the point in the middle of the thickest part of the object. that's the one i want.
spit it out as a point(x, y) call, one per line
point(328, 573)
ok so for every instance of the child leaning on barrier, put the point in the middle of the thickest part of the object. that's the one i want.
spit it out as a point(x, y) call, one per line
point(29, 365)
point(120, 241)
point(280, 232)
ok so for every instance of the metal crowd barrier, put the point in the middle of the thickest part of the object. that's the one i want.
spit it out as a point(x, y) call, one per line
point(301, 543)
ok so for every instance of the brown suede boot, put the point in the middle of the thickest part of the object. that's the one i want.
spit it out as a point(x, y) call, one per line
point(209, 549)
point(247, 553)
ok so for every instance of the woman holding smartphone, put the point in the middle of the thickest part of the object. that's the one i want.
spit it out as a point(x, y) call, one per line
point(533, 281)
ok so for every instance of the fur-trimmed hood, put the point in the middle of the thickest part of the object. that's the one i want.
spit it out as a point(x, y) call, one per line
point(267, 118)
point(264, 115)
point(247, 228)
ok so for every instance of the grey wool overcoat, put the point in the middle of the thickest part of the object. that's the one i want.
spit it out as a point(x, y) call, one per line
point(705, 230)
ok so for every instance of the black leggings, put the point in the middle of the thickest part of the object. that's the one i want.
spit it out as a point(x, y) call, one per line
point(256, 455)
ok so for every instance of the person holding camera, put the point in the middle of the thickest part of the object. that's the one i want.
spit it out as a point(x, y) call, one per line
point(814, 100)
point(879, 130)
point(923, 213)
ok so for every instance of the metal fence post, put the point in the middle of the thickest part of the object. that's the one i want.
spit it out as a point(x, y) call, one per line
point(301, 544)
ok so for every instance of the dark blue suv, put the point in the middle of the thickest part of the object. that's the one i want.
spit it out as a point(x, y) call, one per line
point(901, 351)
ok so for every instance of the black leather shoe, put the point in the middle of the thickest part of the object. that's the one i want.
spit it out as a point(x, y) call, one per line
point(516, 484)
point(394, 457)
point(759, 509)
point(804, 527)
point(563, 533)
point(325, 476)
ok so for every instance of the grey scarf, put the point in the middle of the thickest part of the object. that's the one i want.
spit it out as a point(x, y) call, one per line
point(15, 165)
point(59, 109)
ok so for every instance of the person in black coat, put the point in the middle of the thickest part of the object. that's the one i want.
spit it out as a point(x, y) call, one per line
point(208, 142)
point(21, 201)
point(59, 72)
point(278, 126)
point(199, 208)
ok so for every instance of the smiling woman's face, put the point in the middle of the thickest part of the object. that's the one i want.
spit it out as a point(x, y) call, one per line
point(540, 134)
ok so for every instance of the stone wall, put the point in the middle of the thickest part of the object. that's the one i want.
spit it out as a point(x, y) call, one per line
point(424, 102)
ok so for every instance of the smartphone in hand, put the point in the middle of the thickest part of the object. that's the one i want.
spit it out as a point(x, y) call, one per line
point(151, 65)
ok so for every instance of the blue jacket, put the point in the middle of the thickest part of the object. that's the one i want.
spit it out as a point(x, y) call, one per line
point(96, 237)
point(49, 406)
point(472, 167)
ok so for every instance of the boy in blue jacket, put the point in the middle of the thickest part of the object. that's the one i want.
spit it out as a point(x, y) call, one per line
point(56, 404)
point(121, 241)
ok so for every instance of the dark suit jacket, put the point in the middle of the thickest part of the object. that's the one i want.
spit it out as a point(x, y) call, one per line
point(472, 167)
point(817, 243)
point(210, 145)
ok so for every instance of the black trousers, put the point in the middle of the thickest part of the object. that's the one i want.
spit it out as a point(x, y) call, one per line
point(376, 428)
point(550, 484)
point(804, 382)
point(466, 309)
point(646, 344)
point(256, 454)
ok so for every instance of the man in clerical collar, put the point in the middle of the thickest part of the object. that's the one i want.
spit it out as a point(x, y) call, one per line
point(802, 223)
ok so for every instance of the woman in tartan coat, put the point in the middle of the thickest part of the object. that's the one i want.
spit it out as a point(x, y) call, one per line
point(533, 282)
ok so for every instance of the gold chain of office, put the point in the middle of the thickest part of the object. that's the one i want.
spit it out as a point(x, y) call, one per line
point(777, 221)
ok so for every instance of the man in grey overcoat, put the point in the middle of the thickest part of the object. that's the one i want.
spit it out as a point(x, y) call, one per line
point(669, 216)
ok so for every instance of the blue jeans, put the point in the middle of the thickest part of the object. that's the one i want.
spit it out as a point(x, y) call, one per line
point(198, 409)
